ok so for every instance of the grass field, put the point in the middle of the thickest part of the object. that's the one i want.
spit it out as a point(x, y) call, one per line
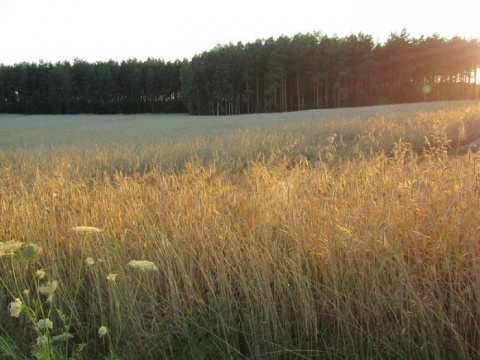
point(329, 234)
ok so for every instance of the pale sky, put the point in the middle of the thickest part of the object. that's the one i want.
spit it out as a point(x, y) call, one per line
point(99, 30)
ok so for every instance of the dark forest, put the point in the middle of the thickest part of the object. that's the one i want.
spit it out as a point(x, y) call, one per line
point(306, 71)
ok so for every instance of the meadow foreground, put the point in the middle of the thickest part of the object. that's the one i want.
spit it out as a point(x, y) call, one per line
point(319, 235)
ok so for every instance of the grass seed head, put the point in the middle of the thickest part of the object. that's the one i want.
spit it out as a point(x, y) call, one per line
point(86, 229)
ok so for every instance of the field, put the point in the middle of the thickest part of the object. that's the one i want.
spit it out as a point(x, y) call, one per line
point(327, 234)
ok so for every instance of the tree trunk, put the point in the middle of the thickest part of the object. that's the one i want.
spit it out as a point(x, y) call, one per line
point(275, 100)
point(248, 97)
point(326, 91)
point(198, 103)
point(257, 106)
point(477, 85)
point(299, 105)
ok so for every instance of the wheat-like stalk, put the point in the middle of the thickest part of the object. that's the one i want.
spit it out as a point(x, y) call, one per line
point(336, 238)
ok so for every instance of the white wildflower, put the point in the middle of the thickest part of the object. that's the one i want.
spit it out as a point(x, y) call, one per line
point(143, 265)
point(112, 277)
point(48, 288)
point(102, 331)
point(42, 340)
point(9, 247)
point(15, 307)
point(40, 273)
point(49, 299)
point(45, 324)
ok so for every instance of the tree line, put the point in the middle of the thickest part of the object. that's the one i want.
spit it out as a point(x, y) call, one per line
point(151, 86)
point(306, 71)
point(311, 71)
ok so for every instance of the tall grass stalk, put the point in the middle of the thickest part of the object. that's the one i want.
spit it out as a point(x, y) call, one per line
point(339, 238)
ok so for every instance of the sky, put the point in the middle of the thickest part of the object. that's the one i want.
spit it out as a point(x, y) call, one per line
point(100, 30)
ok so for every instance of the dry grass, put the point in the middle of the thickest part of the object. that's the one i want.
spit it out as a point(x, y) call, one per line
point(325, 239)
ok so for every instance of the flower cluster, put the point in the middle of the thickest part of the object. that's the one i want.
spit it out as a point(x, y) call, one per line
point(143, 265)
point(15, 308)
point(102, 331)
point(45, 324)
point(9, 247)
point(40, 274)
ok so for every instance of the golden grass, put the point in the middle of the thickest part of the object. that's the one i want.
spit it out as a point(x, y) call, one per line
point(322, 239)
